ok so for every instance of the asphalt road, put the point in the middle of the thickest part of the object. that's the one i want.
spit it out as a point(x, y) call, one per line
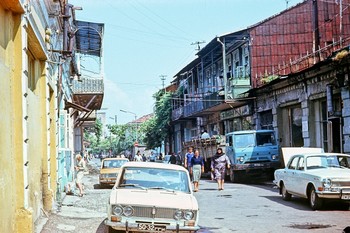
point(238, 208)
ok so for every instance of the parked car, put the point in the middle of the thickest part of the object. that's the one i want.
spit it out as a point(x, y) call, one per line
point(317, 177)
point(109, 170)
point(152, 197)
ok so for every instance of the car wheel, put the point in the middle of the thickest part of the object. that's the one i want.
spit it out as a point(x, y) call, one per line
point(111, 230)
point(285, 195)
point(315, 202)
point(233, 176)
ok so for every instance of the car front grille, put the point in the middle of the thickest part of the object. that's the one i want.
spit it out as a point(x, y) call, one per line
point(155, 212)
point(111, 175)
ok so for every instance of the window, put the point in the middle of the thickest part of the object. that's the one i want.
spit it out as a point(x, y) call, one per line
point(31, 71)
point(301, 164)
point(293, 163)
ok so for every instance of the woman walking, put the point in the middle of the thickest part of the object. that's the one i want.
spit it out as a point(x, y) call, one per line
point(196, 169)
point(219, 163)
point(80, 168)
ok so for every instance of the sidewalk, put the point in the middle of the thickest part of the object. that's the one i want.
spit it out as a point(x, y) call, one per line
point(78, 214)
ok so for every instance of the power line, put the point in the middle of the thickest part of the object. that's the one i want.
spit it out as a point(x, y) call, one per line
point(198, 43)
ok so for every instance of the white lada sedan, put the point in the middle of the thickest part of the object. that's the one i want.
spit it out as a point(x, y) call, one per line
point(317, 177)
point(152, 197)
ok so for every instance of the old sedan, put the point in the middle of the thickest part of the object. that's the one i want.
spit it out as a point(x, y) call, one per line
point(110, 167)
point(318, 177)
point(152, 197)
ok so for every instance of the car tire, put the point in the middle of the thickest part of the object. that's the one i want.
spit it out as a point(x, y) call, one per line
point(285, 195)
point(234, 177)
point(315, 202)
point(111, 230)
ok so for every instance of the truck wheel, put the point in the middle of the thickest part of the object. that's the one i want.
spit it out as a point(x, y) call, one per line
point(234, 176)
point(285, 195)
point(315, 202)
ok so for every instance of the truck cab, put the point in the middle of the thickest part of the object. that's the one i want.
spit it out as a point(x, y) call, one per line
point(252, 153)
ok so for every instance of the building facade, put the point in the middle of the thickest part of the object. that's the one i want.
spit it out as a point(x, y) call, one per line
point(37, 125)
point(222, 89)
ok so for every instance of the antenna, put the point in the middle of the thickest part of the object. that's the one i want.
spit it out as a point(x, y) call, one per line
point(198, 43)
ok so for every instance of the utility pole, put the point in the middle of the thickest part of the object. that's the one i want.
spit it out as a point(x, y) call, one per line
point(162, 77)
point(287, 1)
point(198, 43)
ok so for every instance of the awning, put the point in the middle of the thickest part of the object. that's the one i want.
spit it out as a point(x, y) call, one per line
point(88, 37)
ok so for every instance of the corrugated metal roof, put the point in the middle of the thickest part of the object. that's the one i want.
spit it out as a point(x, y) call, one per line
point(89, 37)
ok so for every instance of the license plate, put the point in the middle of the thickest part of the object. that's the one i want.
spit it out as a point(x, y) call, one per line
point(151, 227)
point(345, 196)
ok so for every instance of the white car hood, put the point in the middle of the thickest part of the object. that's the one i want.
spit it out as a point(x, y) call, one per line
point(341, 173)
point(159, 198)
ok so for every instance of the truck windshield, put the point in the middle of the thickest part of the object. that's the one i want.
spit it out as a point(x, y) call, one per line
point(244, 140)
point(251, 140)
point(265, 139)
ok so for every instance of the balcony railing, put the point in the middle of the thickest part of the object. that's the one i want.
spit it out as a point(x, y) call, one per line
point(193, 107)
point(88, 86)
point(212, 99)
point(177, 113)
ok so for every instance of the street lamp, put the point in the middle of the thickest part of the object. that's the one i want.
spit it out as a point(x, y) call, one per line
point(134, 121)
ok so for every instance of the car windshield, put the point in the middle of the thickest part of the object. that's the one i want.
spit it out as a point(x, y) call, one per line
point(154, 178)
point(113, 163)
point(321, 161)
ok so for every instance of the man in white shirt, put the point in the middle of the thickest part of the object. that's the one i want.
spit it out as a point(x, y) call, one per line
point(205, 135)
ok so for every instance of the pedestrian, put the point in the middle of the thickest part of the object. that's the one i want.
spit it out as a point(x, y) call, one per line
point(197, 168)
point(188, 158)
point(144, 159)
point(80, 169)
point(173, 158)
point(205, 135)
point(138, 157)
point(160, 156)
point(179, 158)
point(219, 163)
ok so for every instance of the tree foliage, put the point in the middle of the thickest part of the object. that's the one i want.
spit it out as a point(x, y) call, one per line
point(157, 128)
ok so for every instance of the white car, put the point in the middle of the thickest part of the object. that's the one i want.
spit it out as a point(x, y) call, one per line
point(317, 176)
point(152, 197)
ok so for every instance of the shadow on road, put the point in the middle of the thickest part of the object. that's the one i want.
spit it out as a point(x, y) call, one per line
point(303, 204)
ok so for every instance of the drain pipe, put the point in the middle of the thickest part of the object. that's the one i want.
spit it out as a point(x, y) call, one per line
point(224, 65)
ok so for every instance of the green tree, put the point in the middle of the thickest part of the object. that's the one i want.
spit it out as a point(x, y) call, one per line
point(157, 129)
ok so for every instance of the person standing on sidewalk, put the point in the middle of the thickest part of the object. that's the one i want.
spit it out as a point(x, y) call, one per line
point(188, 157)
point(219, 163)
point(80, 169)
point(197, 168)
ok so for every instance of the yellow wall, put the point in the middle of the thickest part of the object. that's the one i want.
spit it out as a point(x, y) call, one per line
point(10, 177)
point(24, 115)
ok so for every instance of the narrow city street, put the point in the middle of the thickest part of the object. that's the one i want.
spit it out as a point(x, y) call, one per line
point(238, 208)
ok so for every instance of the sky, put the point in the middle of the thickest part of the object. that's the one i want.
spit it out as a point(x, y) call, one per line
point(147, 40)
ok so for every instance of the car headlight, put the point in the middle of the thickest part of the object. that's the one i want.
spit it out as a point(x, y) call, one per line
point(188, 215)
point(128, 211)
point(241, 159)
point(327, 183)
point(118, 210)
point(274, 157)
point(178, 214)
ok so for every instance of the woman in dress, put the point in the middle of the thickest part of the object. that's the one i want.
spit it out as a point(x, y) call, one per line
point(80, 168)
point(219, 163)
point(196, 169)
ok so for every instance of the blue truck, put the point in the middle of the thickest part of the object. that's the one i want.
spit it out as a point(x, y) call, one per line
point(253, 154)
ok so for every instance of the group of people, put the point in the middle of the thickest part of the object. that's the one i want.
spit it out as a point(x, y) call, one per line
point(194, 162)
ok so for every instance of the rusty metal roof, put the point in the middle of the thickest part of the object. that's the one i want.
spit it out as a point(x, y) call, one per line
point(89, 37)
